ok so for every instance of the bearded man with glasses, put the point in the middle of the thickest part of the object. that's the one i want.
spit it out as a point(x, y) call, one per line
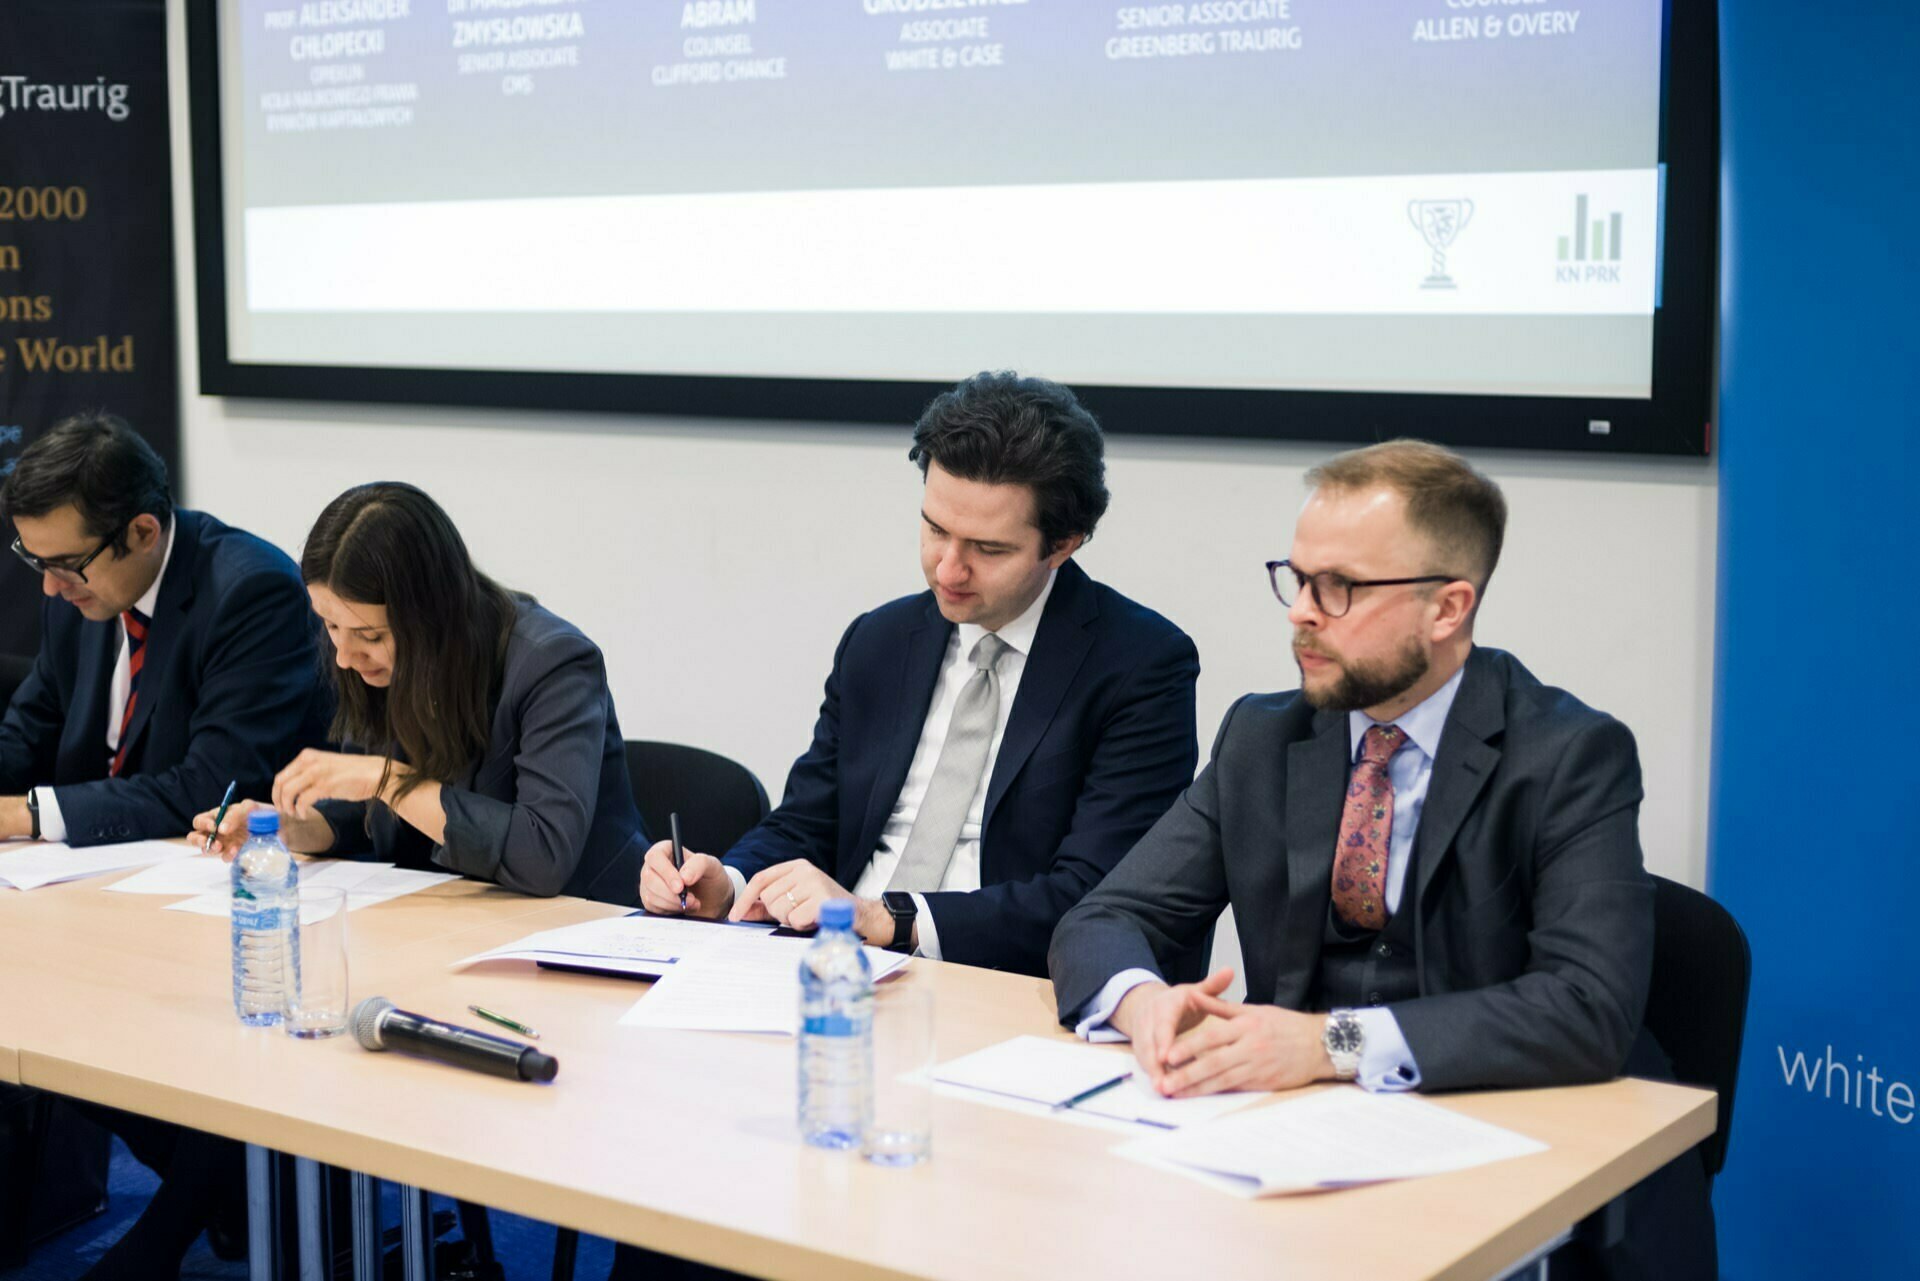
point(1433, 859)
point(177, 655)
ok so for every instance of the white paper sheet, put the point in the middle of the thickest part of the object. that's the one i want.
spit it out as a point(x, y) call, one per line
point(28, 867)
point(1132, 1107)
point(650, 946)
point(179, 877)
point(1037, 1070)
point(338, 874)
point(1335, 1139)
point(739, 981)
point(388, 883)
point(745, 991)
point(639, 944)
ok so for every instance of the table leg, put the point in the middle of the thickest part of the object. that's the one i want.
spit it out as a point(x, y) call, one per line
point(416, 1235)
point(263, 1216)
point(366, 1227)
point(312, 1220)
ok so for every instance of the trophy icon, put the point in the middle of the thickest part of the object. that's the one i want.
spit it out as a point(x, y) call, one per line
point(1440, 223)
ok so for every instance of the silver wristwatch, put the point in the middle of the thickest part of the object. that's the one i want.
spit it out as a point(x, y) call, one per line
point(1345, 1039)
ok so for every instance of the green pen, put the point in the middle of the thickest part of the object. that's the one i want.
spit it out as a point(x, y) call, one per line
point(221, 817)
point(505, 1022)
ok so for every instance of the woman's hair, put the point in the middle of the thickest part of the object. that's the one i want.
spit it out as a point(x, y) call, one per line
point(388, 544)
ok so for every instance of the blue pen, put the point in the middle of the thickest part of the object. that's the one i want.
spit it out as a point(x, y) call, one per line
point(220, 817)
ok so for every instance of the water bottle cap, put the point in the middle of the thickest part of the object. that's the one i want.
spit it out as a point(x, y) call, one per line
point(836, 914)
point(263, 822)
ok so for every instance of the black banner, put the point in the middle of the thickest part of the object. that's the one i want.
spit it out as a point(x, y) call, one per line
point(86, 238)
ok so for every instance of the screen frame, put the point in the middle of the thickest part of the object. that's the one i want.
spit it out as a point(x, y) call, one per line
point(1675, 420)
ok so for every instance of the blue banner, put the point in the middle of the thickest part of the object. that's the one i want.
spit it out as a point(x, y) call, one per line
point(1816, 805)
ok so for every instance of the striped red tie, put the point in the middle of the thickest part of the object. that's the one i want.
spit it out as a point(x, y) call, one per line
point(136, 623)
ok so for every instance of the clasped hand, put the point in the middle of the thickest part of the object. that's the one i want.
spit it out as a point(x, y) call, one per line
point(1189, 1042)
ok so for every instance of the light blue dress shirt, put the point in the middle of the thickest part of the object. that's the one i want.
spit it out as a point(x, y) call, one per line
point(1387, 1062)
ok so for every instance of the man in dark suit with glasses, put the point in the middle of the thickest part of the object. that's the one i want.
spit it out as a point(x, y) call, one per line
point(177, 655)
point(1433, 859)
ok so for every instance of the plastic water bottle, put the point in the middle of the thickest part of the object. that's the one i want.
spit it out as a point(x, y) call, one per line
point(836, 1033)
point(266, 946)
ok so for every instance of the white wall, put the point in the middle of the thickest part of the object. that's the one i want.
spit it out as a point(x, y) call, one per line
point(716, 563)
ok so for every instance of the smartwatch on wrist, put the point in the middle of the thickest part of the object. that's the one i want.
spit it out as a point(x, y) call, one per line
point(901, 906)
point(33, 814)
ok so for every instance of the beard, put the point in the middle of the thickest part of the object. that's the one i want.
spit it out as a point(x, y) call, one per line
point(1361, 685)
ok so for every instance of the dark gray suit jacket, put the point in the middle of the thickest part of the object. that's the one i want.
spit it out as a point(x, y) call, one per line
point(549, 809)
point(1533, 926)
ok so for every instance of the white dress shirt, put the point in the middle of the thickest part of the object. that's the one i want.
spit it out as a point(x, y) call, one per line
point(53, 826)
point(1386, 1062)
point(956, 669)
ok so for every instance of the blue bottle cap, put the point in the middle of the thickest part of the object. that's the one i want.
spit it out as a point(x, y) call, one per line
point(263, 822)
point(836, 914)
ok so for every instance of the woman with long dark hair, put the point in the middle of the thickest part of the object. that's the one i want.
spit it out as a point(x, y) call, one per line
point(478, 730)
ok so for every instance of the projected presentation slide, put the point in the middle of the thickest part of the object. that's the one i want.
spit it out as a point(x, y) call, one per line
point(1395, 195)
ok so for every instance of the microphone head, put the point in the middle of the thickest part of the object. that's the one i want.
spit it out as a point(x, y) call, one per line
point(367, 1019)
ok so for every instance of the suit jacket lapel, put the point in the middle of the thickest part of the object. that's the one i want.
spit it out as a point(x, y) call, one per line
point(1462, 768)
point(1317, 770)
point(1060, 645)
point(920, 661)
point(168, 622)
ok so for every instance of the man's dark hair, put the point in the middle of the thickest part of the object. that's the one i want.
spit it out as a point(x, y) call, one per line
point(96, 463)
point(1002, 429)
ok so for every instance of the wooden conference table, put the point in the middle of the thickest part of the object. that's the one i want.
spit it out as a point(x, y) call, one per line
point(685, 1141)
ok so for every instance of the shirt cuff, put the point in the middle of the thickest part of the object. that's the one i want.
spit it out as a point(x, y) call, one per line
point(739, 882)
point(929, 945)
point(1092, 1023)
point(53, 826)
point(1386, 1062)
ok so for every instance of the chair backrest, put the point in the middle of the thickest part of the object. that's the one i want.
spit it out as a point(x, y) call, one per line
point(718, 800)
point(1697, 1006)
point(13, 670)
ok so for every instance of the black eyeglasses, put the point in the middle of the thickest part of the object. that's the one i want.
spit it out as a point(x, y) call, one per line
point(76, 574)
point(1332, 593)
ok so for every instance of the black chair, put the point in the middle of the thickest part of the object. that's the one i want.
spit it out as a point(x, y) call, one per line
point(1697, 1006)
point(13, 670)
point(719, 801)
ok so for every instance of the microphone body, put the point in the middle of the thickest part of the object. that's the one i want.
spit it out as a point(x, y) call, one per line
point(377, 1025)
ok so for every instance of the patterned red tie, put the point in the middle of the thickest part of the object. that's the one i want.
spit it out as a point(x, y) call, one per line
point(136, 657)
point(1366, 831)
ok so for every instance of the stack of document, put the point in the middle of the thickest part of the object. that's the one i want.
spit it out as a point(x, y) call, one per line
point(713, 977)
point(30, 866)
point(1338, 1138)
point(1074, 1082)
point(208, 881)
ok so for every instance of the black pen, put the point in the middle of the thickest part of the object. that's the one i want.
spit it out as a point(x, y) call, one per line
point(679, 855)
point(220, 817)
point(1084, 1095)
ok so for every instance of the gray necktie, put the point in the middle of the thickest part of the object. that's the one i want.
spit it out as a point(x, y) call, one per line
point(963, 758)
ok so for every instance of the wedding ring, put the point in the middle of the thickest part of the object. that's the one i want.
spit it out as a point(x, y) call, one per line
point(791, 901)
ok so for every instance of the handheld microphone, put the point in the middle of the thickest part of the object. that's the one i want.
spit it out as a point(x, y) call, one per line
point(377, 1025)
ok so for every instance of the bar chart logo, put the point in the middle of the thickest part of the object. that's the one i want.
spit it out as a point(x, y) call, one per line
point(1590, 254)
point(1439, 222)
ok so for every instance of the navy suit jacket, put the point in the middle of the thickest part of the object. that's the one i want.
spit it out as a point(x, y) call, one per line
point(1099, 742)
point(548, 809)
point(230, 691)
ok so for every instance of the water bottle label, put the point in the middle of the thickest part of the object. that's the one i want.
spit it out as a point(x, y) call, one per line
point(828, 1025)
